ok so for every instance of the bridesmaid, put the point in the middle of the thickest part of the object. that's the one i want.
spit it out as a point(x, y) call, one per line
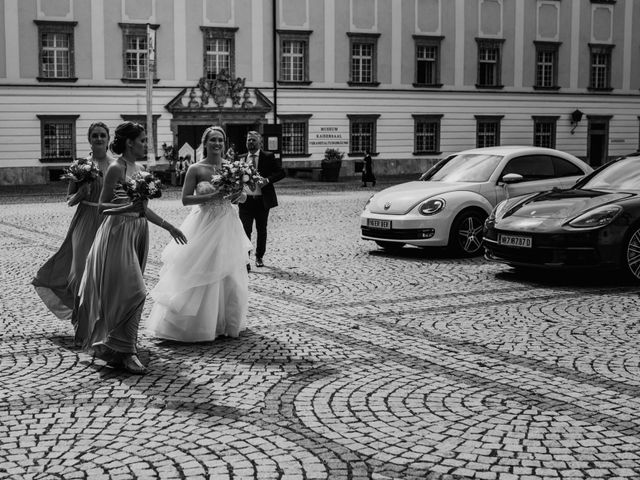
point(58, 280)
point(112, 292)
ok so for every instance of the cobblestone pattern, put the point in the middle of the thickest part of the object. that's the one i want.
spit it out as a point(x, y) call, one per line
point(356, 364)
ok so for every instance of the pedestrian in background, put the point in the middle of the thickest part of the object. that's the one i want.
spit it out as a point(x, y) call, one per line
point(367, 170)
point(263, 198)
point(58, 280)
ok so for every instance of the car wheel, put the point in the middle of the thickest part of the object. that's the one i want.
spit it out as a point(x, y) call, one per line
point(391, 246)
point(465, 237)
point(631, 260)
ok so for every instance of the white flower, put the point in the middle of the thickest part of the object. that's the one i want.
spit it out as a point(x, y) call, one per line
point(245, 178)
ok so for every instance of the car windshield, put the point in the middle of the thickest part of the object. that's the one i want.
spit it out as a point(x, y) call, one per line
point(470, 167)
point(620, 175)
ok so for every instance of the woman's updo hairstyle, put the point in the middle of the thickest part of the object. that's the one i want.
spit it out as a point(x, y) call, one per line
point(125, 131)
point(205, 137)
point(95, 125)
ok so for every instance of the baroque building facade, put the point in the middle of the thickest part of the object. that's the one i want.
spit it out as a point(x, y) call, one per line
point(410, 81)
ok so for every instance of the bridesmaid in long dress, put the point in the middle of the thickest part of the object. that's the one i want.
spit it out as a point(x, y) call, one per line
point(203, 288)
point(58, 280)
point(112, 292)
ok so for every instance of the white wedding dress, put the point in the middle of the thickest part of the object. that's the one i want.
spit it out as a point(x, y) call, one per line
point(203, 288)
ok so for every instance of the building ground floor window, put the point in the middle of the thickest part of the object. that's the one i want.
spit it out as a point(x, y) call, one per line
point(58, 138)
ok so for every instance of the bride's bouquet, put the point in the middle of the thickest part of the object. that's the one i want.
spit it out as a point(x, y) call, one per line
point(143, 185)
point(81, 170)
point(231, 177)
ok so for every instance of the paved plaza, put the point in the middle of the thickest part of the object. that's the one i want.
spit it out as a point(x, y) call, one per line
point(356, 364)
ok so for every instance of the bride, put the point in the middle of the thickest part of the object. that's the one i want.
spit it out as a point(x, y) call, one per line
point(203, 288)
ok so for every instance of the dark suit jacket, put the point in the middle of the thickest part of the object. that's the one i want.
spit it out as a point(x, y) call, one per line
point(270, 168)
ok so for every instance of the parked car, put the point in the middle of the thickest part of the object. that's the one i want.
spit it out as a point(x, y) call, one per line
point(595, 224)
point(448, 205)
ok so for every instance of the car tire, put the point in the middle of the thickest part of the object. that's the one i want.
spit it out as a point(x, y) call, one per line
point(631, 253)
point(390, 246)
point(465, 236)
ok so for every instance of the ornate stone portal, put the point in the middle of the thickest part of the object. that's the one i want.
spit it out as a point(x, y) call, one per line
point(224, 101)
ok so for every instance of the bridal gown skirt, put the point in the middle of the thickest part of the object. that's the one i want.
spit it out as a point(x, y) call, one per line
point(112, 292)
point(203, 288)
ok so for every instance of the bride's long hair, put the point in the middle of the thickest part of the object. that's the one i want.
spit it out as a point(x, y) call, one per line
point(205, 138)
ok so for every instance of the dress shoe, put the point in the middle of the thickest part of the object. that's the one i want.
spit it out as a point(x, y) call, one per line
point(259, 262)
point(132, 364)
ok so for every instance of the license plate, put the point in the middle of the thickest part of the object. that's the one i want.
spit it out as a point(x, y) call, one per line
point(515, 241)
point(372, 222)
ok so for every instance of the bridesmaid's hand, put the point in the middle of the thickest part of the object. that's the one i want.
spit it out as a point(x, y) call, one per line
point(83, 192)
point(177, 234)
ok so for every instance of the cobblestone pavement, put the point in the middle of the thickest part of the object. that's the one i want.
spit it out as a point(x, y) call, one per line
point(356, 364)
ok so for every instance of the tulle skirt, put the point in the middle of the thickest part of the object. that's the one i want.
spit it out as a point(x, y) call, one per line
point(203, 288)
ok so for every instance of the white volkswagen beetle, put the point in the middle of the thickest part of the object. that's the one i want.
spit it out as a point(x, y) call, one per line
point(450, 202)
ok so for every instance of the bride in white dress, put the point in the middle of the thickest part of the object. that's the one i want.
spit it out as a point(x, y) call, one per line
point(203, 288)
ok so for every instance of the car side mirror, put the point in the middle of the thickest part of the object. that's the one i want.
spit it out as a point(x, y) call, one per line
point(512, 178)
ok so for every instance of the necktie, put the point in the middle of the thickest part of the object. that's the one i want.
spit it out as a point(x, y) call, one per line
point(254, 160)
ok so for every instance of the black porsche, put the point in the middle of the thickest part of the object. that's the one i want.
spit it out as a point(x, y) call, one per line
point(594, 224)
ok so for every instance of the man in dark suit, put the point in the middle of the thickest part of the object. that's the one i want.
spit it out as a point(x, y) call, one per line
point(256, 207)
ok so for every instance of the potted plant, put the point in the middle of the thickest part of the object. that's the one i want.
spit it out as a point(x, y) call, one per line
point(331, 164)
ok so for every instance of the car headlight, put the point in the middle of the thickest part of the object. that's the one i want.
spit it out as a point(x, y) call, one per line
point(598, 217)
point(432, 206)
point(366, 205)
point(498, 210)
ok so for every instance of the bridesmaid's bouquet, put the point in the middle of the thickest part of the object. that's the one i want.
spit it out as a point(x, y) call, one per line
point(81, 170)
point(232, 177)
point(143, 185)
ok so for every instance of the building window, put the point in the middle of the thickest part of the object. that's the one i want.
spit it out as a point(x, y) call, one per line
point(364, 62)
point(57, 58)
point(487, 131)
point(362, 134)
point(600, 75)
point(546, 65)
point(135, 50)
point(219, 51)
point(426, 134)
point(427, 61)
point(489, 63)
point(295, 130)
point(294, 56)
point(58, 137)
point(544, 131)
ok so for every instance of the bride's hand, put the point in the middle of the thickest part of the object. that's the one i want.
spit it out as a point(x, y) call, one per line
point(237, 197)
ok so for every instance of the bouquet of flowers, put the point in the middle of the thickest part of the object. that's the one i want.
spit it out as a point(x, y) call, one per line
point(232, 177)
point(143, 185)
point(81, 170)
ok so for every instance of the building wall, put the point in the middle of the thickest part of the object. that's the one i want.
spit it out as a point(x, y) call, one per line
point(100, 94)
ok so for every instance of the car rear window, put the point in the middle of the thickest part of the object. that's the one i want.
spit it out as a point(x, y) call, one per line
point(564, 168)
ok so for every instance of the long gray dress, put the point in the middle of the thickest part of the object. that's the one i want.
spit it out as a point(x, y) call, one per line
point(112, 291)
point(58, 280)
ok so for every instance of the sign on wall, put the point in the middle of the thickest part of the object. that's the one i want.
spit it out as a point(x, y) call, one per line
point(329, 137)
